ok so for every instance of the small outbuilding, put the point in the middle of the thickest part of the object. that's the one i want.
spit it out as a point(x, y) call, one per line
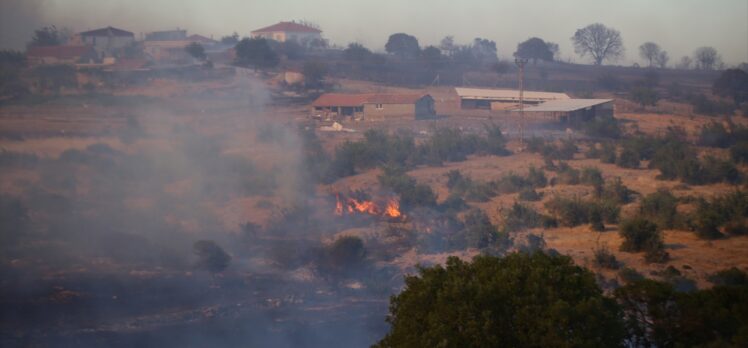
point(500, 99)
point(574, 111)
point(373, 106)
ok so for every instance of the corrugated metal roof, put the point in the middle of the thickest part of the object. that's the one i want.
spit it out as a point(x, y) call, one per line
point(506, 94)
point(288, 27)
point(566, 105)
point(339, 99)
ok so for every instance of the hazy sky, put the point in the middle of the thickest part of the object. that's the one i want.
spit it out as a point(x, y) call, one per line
point(679, 26)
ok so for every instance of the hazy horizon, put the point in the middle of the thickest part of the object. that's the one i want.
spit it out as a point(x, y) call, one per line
point(679, 27)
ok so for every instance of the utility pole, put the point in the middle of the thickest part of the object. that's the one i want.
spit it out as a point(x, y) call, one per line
point(521, 65)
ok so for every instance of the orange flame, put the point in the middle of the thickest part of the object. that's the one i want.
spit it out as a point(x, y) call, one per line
point(338, 205)
point(352, 205)
point(393, 209)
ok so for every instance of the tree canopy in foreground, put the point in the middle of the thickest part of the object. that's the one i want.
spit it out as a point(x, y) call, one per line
point(520, 300)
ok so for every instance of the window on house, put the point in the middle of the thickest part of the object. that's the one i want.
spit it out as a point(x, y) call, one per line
point(379, 106)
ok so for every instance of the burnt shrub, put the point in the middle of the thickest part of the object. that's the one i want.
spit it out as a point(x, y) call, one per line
point(640, 234)
point(660, 207)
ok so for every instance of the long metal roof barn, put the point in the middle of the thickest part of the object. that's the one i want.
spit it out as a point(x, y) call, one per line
point(566, 105)
point(506, 94)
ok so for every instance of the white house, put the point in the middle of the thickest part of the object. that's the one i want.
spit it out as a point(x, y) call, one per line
point(289, 31)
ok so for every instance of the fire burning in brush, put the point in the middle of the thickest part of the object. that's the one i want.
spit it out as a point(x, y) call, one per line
point(390, 208)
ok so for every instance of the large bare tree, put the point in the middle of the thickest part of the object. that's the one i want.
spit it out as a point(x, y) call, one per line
point(706, 58)
point(650, 51)
point(662, 59)
point(599, 42)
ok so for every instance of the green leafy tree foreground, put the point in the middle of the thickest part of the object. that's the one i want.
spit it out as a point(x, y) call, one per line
point(519, 300)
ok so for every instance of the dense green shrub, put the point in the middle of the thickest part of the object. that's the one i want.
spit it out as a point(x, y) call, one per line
point(703, 105)
point(729, 210)
point(640, 234)
point(574, 211)
point(615, 191)
point(660, 207)
point(566, 174)
point(729, 277)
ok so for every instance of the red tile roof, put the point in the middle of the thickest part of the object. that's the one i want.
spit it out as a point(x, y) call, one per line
point(59, 52)
point(338, 99)
point(108, 31)
point(292, 27)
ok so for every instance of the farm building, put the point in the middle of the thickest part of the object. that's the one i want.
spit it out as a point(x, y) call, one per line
point(373, 106)
point(573, 110)
point(499, 99)
point(107, 42)
point(289, 31)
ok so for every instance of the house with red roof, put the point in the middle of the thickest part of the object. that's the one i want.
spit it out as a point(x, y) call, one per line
point(108, 42)
point(373, 106)
point(289, 31)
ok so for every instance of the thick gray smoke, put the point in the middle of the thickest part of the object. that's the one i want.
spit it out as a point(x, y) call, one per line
point(18, 20)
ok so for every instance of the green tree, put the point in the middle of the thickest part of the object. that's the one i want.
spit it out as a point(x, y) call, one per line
point(356, 52)
point(256, 53)
point(314, 74)
point(47, 36)
point(403, 45)
point(520, 300)
point(196, 50)
point(534, 48)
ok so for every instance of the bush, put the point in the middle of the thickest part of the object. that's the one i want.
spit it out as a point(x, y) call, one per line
point(715, 135)
point(617, 192)
point(591, 176)
point(645, 96)
point(530, 195)
point(574, 211)
point(520, 217)
point(628, 159)
point(412, 194)
point(660, 207)
point(603, 127)
point(567, 175)
point(604, 258)
point(211, 257)
point(480, 233)
point(608, 153)
point(630, 275)
point(347, 254)
point(703, 105)
point(739, 152)
point(640, 234)
point(729, 277)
